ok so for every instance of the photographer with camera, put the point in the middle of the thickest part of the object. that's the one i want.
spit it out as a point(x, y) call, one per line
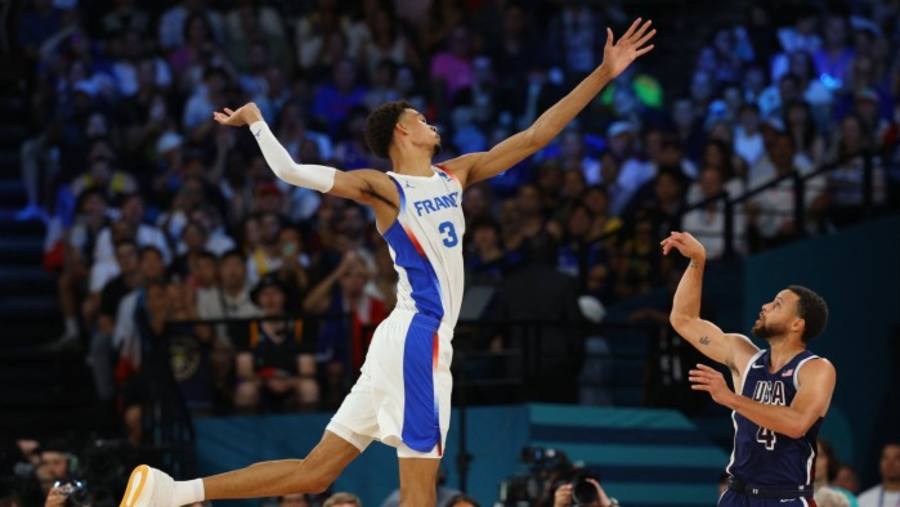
point(552, 480)
point(582, 492)
point(68, 493)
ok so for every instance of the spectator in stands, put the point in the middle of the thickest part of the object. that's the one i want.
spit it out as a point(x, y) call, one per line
point(343, 500)
point(295, 500)
point(888, 492)
point(573, 186)
point(524, 225)
point(341, 294)
point(596, 198)
point(292, 271)
point(577, 252)
point(194, 238)
point(131, 223)
point(748, 141)
point(384, 284)
point(799, 122)
point(636, 263)
point(388, 43)
point(827, 497)
point(573, 33)
point(443, 497)
point(846, 478)
point(106, 305)
point(634, 171)
point(834, 58)
point(278, 367)
point(486, 260)
point(827, 467)
point(127, 334)
point(261, 244)
point(708, 222)
point(852, 154)
point(228, 298)
point(771, 212)
point(138, 370)
point(334, 101)
point(451, 69)
point(661, 200)
point(73, 255)
point(462, 501)
point(317, 29)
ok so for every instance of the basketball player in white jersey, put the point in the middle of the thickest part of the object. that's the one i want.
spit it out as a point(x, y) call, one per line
point(402, 397)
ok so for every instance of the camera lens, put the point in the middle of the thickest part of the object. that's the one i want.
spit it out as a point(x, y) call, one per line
point(583, 492)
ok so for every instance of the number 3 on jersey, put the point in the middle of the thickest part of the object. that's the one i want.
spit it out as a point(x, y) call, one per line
point(766, 437)
point(448, 232)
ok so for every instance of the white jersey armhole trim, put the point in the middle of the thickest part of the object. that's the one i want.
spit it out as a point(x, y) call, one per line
point(797, 370)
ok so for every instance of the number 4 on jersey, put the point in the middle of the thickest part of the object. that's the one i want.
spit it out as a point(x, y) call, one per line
point(766, 437)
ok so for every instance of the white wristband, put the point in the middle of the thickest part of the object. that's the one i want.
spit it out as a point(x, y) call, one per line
point(316, 177)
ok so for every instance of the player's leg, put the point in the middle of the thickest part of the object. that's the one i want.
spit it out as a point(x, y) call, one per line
point(418, 481)
point(313, 474)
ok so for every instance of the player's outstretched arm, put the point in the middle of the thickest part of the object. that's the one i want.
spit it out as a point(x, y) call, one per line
point(474, 167)
point(816, 382)
point(365, 186)
point(732, 350)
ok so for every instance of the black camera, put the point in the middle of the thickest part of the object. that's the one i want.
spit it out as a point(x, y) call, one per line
point(75, 491)
point(584, 492)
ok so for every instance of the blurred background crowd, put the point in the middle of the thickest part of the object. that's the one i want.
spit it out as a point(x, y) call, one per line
point(164, 227)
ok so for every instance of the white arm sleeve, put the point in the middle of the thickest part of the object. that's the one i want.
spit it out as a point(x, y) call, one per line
point(316, 177)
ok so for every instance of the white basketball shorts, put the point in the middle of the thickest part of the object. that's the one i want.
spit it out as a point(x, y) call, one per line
point(402, 397)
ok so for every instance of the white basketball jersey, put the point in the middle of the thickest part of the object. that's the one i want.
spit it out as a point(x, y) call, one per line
point(426, 243)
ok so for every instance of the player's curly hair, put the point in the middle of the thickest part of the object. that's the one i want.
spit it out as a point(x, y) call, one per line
point(812, 309)
point(380, 126)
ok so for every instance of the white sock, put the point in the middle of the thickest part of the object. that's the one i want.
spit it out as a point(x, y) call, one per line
point(188, 492)
point(71, 326)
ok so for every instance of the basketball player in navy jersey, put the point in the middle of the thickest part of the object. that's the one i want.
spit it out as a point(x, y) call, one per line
point(781, 393)
point(402, 397)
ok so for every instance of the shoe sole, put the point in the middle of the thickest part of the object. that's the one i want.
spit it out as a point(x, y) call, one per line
point(140, 477)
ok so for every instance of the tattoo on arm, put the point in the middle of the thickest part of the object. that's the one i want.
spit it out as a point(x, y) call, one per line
point(704, 340)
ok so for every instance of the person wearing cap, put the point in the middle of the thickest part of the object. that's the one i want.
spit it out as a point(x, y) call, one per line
point(278, 367)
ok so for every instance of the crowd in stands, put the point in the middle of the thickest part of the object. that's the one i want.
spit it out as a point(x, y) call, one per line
point(157, 215)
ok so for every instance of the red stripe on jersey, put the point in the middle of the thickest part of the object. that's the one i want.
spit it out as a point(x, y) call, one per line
point(414, 241)
point(452, 176)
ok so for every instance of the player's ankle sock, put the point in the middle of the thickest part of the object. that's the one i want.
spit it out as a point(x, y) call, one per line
point(188, 492)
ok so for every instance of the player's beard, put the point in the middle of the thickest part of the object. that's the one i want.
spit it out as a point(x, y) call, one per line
point(764, 331)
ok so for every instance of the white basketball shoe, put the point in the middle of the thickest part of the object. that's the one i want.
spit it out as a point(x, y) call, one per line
point(148, 487)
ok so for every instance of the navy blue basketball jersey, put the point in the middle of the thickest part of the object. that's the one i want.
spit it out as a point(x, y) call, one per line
point(762, 457)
